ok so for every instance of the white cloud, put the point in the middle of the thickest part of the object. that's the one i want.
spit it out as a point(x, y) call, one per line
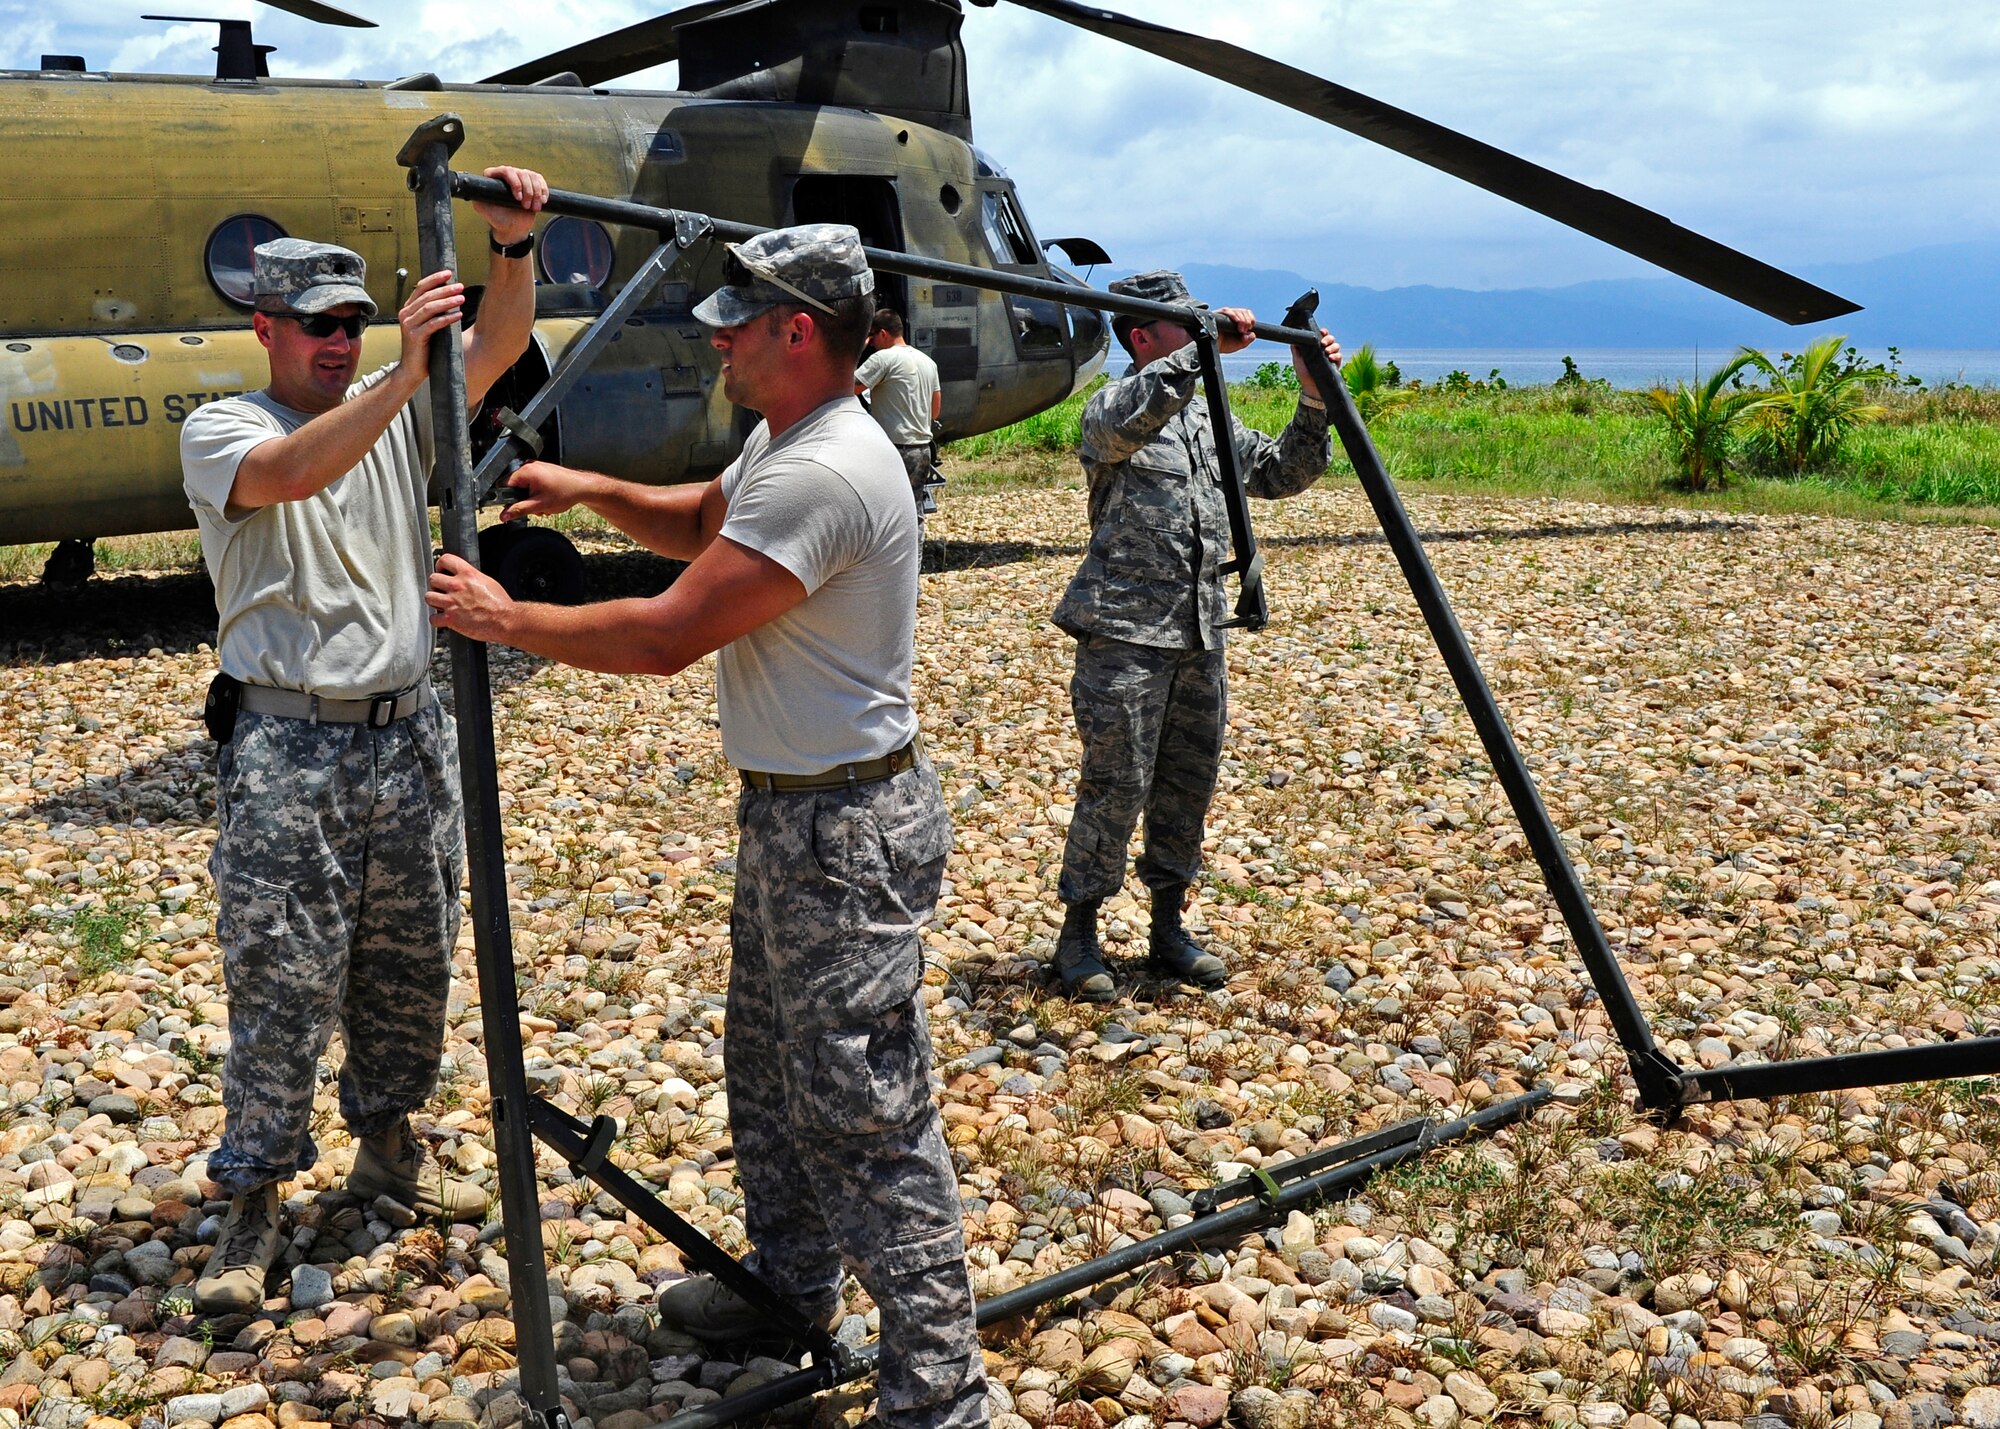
point(1842, 132)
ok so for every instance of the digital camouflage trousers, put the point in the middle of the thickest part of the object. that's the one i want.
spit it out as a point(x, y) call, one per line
point(839, 1148)
point(1151, 723)
point(336, 872)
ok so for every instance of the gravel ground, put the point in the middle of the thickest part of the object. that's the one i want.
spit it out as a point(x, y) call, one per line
point(1773, 746)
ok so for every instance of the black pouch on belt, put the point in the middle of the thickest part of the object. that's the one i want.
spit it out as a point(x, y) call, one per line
point(218, 711)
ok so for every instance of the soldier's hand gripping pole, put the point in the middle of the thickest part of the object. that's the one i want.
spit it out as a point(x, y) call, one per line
point(1659, 1080)
point(1252, 612)
point(427, 156)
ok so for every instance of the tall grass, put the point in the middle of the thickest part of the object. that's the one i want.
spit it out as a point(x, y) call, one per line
point(1935, 451)
point(1949, 463)
point(1060, 429)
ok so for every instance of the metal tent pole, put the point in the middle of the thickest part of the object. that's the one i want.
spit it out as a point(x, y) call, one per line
point(427, 155)
point(1659, 1079)
point(1329, 1182)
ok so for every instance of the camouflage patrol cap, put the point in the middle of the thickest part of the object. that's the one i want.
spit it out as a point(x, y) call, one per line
point(815, 264)
point(1162, 285)
point(294, 276)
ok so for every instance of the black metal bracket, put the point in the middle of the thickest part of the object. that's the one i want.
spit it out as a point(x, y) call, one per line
point(586, 1148)
point(1662, 1082)
point(522, 433)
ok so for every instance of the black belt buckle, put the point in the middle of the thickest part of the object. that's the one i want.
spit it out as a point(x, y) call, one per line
point(382, 711)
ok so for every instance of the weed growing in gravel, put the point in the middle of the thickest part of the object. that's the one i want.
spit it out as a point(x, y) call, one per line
point(669, 1135)
point(129, 1403)
point(100, 938)
point(1251, 1364)
point(1455, 1188)
point(594, 1094)
point(1680, 1222)
point(1816, 1325)
point(1094, 1095)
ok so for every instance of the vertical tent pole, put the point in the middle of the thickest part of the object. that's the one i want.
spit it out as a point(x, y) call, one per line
point(427, 156)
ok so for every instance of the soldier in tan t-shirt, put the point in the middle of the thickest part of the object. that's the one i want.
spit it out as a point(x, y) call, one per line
point(340, 845)
point(903, 394)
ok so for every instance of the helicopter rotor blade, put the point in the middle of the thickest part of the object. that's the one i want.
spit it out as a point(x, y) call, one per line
point(324, 14)
point(1605, 216)
point(621, 52)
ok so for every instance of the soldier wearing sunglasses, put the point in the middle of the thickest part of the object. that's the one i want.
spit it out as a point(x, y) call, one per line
point(339, 852)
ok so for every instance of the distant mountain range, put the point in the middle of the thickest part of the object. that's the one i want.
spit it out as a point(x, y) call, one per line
point(1940, 297)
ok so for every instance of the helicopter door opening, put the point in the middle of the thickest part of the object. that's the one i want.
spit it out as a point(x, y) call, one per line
point(870, 204)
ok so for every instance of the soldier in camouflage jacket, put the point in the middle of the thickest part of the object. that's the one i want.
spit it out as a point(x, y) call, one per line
point(1147, 608)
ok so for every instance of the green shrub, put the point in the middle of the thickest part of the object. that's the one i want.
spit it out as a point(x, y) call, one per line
point(1699, 420)
point(1814, 400)
point(1274, 377)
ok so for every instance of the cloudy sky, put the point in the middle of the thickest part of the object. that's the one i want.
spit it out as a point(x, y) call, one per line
point(1800, 132)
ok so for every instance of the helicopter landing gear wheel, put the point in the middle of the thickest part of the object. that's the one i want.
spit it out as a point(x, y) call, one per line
point(69, 565)
point(533, 563)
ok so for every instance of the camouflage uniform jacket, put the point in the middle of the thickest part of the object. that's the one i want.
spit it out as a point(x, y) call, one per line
point(1159, 531)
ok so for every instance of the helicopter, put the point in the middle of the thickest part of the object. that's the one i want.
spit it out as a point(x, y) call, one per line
point(136, 199)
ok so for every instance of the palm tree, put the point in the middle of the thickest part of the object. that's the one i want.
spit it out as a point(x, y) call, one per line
point(1814, 401)
point(1368, 380)
point(1699, 419)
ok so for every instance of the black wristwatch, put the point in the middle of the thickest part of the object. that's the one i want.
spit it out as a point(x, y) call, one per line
point(511, 250)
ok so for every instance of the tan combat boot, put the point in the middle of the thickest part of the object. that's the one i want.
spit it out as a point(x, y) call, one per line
point(395, 1164)
point(704, 1307)
point(232, 1282)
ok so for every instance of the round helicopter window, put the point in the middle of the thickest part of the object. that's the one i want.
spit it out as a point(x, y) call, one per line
point(229, 254)
point(575, 250)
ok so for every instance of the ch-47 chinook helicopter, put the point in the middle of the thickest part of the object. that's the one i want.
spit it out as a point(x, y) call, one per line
point(132, 201)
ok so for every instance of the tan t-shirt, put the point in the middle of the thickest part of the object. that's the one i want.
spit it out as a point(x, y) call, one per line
point(901, 382)
point(325, 594)
point(828, 682)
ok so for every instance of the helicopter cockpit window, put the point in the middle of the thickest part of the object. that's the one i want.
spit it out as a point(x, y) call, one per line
point(1039, 327)
point(229, 254)
point(1006, 228)
point(575, 250)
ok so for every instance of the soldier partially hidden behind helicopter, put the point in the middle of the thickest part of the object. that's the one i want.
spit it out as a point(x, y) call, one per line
point(338, 857)
point(904, 396)
point(1146, 608)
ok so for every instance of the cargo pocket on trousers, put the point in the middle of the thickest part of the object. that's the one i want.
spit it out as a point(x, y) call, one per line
point(871, 1079)
point(253, 911)
point(923, 838)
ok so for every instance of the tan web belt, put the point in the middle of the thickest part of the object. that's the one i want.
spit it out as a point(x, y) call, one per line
point(842, 776)
point(377, 711)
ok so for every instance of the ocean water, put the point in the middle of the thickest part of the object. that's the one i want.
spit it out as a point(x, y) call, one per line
point(1635, 368)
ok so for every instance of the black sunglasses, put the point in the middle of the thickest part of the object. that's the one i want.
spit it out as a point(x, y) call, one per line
point(325, 325)
point(738, 274)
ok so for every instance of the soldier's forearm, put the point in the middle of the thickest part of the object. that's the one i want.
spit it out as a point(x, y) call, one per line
point(1293, 461)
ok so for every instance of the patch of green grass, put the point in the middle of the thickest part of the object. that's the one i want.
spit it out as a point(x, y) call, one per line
point(1935, 458)
point(100, 937)
point(1059, 429)
point(155, 551)
point(1094, 1095)
point(1949, 463)
point(1679, 1227)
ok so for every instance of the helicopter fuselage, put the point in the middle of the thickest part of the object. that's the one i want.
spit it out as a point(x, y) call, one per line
point(128, 205)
